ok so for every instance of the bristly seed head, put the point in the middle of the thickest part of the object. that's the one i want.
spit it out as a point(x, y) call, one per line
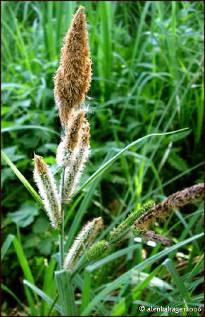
point(97, 250)
point(118, 232)
point(70, 141)
point(73, 129)
point(176, 200)
point(48, 190)
point(73, 77)
point(77, 163)
point(86, 236)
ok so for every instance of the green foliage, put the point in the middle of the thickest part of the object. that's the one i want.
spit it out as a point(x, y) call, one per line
point(147, 80)
point(25, 215)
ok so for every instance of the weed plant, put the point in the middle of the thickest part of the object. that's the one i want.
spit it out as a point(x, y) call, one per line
point(147, 79)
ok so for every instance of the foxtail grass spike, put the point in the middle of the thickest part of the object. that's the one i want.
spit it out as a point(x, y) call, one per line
point(97, 250)
point(73, 172)
point(118, 232)
point(73, 77)
point(69, 143)
point(48, 191)
point(83, 240)
point(176, 200)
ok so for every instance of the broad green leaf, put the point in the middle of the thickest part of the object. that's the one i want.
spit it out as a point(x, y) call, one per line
point(25, 215)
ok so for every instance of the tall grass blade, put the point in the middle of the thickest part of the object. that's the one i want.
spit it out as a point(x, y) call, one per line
point(41, 294)
point(66, 293)
point(178, 281)
point(22, 178)
point(106, 165)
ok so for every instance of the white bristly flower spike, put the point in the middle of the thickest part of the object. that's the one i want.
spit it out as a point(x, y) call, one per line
point(48, 190)
point(69, 142)
point(83, 240)
point(74, 170)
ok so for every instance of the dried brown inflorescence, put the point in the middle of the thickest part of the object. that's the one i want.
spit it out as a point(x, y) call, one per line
point(178, 199)
point(73, 77)
point(39, 164)
point(73, 131)
point(85, 134)
point(150, 235)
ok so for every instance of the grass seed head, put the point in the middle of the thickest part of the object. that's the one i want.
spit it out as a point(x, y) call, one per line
point(48, 190)
point(176, 200)
point(70, 142)
point(77, 163)
point(73, 77)
point(97, 250)
point(83, 240)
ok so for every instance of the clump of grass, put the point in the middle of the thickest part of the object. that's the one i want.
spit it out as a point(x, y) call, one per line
point(72, 154)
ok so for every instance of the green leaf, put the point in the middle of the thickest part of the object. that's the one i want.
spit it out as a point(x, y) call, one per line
point(140, 277)
point(45, 246)
point(120, 308)
point(6, 245)
point(49, 283)
point(22, 259)
point(177, 162)
point(178, 281)
point(25, 215)
point(40, 293)
point(6, 289)
point(178, 137)
point(25, 268)
point(11, 152)
point(41, 225)
point(66, 292)
point(106, 165)
point(126, 276)
point(22, 178)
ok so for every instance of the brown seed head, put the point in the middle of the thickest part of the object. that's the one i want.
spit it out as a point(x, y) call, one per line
point(86, 134)
point(97, 226)
point(39, 164)
point(73, 77)
point(176, 200)
point(73, 129)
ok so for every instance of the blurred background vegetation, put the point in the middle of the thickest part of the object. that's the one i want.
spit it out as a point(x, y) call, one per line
point(147, 78)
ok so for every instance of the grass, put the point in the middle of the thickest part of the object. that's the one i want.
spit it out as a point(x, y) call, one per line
point(147, 79)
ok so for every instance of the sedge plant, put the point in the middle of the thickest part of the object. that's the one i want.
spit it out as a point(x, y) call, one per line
point(71, 84)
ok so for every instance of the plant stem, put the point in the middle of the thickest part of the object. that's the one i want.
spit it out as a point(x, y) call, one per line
point(61, 236)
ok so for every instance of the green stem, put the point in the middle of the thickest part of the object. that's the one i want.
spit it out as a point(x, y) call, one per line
point(61, 236)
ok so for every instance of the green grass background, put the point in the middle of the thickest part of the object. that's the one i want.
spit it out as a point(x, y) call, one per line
point(147, 78)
